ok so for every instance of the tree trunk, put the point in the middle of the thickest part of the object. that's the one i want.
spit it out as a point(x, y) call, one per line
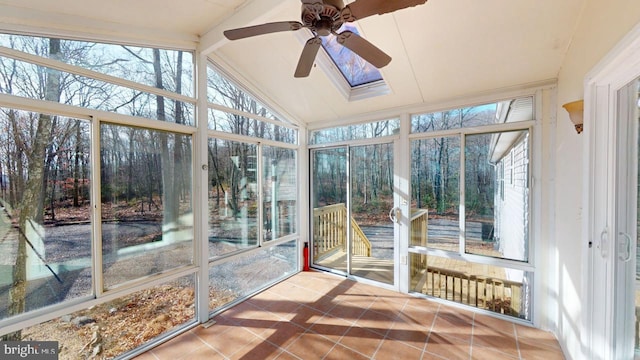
point(18, 180)
point(31, 199)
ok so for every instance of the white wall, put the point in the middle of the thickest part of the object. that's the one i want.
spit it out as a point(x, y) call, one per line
point(601, 26)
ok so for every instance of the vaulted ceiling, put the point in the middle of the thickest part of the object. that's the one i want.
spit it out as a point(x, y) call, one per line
point(441, 51)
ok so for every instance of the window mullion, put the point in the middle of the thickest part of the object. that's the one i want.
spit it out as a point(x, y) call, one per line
point(462, 210)
point(260, 182)
point(96, 206)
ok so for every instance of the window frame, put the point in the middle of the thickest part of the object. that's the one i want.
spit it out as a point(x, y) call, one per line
point(98, 294)
point(461, 254)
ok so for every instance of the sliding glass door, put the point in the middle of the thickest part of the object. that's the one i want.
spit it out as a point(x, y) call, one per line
point(627, 269)
point(329, 215)
point(354, 216)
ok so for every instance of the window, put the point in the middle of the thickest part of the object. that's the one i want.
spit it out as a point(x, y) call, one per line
point(233, 110)
point(485, 286)
point(355, 69)
point(233, 192)
point(516, 110)
point(95, 205)
point(45, 212)
point(123, 61)
point(355, 132)
point(483, 214)
point(147, 212)
point(279, 192)
point(145, 82)
point(252, 197)
point(470, 233)
point(352, 76)
point(245, 274)
point(435, 179)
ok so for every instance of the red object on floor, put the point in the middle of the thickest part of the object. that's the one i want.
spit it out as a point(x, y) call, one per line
point(305, 255)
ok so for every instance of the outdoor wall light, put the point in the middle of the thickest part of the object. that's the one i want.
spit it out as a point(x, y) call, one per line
point(576, 111)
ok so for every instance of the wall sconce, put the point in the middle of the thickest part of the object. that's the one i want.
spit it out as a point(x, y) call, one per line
point(576, 111)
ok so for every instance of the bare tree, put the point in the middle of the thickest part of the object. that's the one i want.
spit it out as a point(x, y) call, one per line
point(31, 211)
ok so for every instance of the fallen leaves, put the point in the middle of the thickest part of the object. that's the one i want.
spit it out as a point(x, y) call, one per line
point(120, 325)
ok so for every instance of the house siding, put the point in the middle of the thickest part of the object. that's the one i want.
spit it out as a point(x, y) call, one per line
point(512, 204)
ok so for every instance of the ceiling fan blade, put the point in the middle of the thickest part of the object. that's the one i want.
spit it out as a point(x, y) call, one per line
point(267, 28)
point(308, 57)
point(363, 48)
point(360, 9)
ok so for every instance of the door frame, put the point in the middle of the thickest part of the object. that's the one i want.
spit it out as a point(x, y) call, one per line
point(312, 165)
point(601, 183)
point(399, 230)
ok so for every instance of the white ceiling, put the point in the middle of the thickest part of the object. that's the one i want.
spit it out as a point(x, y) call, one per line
point(443, 50)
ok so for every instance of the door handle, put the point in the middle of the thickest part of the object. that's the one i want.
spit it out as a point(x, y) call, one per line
point(624, 254)
point(394, 215)
point(604, 243)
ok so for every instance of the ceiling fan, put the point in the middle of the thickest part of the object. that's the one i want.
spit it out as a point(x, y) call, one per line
point(324, 17)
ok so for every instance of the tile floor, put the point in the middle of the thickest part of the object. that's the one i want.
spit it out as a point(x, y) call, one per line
point(315, 315)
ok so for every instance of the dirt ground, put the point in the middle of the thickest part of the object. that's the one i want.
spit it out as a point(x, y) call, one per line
point(110, 329)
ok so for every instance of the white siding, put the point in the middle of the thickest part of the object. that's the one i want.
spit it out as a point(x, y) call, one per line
point(512, 202)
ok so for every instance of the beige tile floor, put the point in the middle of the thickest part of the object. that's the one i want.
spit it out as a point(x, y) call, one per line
point(315, 315)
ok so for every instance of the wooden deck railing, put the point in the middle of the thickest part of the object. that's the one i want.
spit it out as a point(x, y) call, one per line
point(489, 293)
point(329, 229)
point(419, 236)
point(330, 232)
point(361, 244)
point(498, 295)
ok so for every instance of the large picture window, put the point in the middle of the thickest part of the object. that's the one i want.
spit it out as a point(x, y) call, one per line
point(501, 216)
point(471, 206)
point(435, 179)
point(279, 192)
point(147, 211)
point(233, 222)
point(45, 217)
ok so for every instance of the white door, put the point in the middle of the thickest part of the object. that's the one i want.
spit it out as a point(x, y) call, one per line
point(626, 235)
point(611, 224)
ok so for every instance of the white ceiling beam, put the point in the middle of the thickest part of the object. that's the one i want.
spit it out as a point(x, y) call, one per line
point(250, 13)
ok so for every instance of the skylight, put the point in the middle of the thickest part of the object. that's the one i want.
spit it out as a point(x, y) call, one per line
point(355, 69)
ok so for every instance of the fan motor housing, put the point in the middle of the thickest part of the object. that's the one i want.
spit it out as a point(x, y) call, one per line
point(338, 4)
point(323, 18)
